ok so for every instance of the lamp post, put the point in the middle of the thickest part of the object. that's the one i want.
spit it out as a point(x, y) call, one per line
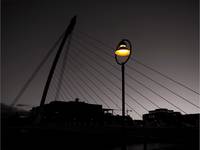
point(122, 54)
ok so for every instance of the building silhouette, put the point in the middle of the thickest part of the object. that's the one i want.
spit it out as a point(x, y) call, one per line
point(77, 113)
point(164, 118)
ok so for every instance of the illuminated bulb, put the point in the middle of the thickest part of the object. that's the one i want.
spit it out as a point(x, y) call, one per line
point(122, 52)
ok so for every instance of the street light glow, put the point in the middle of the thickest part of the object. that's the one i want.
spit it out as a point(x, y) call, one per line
point(122, 52)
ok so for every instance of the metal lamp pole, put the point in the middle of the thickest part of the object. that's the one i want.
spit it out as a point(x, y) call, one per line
point(122, 54)
point(123, 91)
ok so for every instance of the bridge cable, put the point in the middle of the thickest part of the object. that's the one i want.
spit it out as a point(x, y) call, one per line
point(100, 82)
point(116, 95)
point(94, 85)
point(163, 86)
point(127, 93)
point(100, 73)
point(27, 83)
point(68, 87)
point(91, 88)
point(138, 62)
point(105, 85)
point(73, 85)
point(59, 84)
point(103, 91)
point(141, 84)
point(78, 86)
point(87, 93)
point(117, 76)
point(53, 89)
point(106, 45)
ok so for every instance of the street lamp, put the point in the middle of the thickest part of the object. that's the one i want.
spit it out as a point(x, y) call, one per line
point(122, 54)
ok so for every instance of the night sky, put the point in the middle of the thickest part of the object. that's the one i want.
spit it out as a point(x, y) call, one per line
point(164, 35)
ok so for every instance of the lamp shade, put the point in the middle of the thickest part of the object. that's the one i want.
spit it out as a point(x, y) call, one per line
point(123, 51)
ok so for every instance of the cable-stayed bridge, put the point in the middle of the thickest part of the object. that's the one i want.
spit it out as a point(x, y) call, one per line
point(87, 70)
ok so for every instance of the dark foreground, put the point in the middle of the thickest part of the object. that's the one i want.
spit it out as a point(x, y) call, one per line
point(99, 139)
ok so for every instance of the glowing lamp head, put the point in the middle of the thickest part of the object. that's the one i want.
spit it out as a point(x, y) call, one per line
point(123, 51)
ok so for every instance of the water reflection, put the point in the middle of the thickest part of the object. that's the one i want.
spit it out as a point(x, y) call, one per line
point(159, 146)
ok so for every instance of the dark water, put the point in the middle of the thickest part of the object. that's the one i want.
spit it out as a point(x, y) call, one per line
point(45, 140)
point(85, 143)
point(159, 146)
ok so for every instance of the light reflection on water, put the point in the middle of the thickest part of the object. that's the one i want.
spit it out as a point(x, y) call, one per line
point(155, 146)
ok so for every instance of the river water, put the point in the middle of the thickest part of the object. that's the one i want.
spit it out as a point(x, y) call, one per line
point(159, 146)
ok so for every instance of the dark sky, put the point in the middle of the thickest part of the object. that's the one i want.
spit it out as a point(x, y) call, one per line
point(164, 34)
